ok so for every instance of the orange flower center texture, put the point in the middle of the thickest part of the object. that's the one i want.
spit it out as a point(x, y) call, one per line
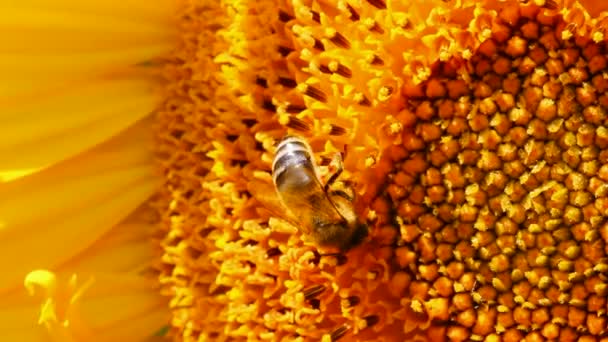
point(476, 140)
point(499, 190)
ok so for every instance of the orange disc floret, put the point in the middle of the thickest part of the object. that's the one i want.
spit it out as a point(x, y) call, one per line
point(531, 172)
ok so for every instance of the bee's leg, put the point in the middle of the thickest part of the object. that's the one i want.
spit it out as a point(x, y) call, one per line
point(337, 161)
point(340, 257)
point(330, 254)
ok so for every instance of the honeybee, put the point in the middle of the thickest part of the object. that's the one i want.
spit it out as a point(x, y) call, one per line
point(325, 215)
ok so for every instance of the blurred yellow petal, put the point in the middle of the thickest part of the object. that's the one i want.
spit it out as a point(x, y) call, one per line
point(66, 40)
point(59, 68)
point(74, 75)
point(19, 321)
point(73, 203)
point(161, 12)
point(129, 247)
point(121, 295)
point(53, 19)
point(11, 174)
point(101, 307)
point(79, 85)
point(38, 133)
point(107, 292)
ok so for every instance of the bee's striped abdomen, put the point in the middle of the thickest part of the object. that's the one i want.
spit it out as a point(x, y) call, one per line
point(293, 161)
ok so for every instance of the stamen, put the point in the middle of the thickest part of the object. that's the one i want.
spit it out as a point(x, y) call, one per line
point(337, 130)
point(550, 4)
point(324, 69)
point(284, 16)
point(249, 122)
point(261, 82)
point(268, 105)
point(294, 109)
point(340, 40)
point(288, 82)
point(298, 124)
point(362, 100)
point(218, 290)
point(377, 61)
point(343, 71)
point(351, 301)
point(379, 4)
point(284, 51)
point(313, 291)
point(354, 16)
point(371, 320)
point(318, 45)
point(377, 28)
point(273, 252)
point(315, 93)
point(339, 333)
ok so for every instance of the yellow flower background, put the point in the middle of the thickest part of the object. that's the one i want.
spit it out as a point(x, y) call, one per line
point(475, 137)
point(79, 86)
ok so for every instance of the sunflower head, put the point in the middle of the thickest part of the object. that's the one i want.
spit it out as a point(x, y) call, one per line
point(475, 134)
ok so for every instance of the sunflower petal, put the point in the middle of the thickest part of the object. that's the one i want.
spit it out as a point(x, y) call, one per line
point(38, 133)
point(18, 321)
point(7, 176)
point(134, 9)
point(127, 247)
point(105, 293)
point(73, 203)
point(55, 42)
point(99, 307)
point(75, 74)
point(93, 33)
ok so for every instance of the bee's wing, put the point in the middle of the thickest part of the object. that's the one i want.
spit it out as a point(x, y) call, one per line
point(266, 194)
point(312, 207)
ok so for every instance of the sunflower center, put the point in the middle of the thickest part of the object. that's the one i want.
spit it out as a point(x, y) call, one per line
point(499, 187)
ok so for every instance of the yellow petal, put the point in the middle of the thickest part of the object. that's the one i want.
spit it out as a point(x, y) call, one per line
point(19, 320)
point(128, 247)
point(127, 296)
point(105, 293)
point(73, 203)
point(75, 74)
point(67, 39)
point(161, 11)
point(38, 133)
point(35, 73)
point(67, 68)
point(9, 175)
point(47, 44)
point(98, 307)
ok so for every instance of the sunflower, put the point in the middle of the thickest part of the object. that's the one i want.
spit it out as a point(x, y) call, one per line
point(475, 137)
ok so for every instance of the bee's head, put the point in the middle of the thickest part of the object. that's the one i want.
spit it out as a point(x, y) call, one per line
point(359, 234)
point(340, 235)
